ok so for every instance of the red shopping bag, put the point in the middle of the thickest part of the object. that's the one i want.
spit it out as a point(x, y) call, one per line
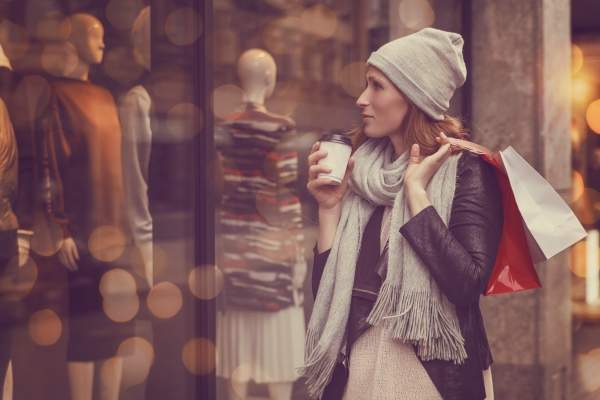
point(513, 270)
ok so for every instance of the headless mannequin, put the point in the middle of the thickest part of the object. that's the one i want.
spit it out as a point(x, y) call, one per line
point(88, 39)
point(134, 113)
point(257, 73)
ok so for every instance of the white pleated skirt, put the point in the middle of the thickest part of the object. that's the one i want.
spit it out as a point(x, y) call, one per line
point(261, 346)
point(385, 369)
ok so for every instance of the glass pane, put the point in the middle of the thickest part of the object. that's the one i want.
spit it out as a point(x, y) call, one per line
point(100, 122)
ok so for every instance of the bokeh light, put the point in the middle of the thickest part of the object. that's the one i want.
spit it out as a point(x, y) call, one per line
point(121, 14)
point(182, 26)
point(14, 39)
point(416, 14)
point(587, 367)
point(592, 116)
point(19, 278)
point(576, 59)
point(286, 98)
point(184, 121)
point(577, 186)
point(59, 59)
point(53, 27)
point(226, 100)
point(227, 51)
point(117, 282)
point(48, 236)
point(206, 282)
point(121, 308)
point(165, 300)
point(198, 356)
point(45, 327)
point(107, 243)
point(320, 21)
point(580, 89)
point(117, 64)
point(138, 356)
point(352, 78)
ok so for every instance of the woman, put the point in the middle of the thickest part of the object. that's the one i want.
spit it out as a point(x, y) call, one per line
point(403, 256)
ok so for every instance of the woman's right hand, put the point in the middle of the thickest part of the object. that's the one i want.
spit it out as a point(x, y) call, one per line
point(325, 191)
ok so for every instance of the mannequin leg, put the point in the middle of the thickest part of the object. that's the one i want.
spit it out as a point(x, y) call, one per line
point(238, 390)
point(81, 379)
point(280, 390)
point(111, 372)
point(489, 384)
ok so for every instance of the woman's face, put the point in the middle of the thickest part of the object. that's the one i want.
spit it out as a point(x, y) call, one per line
point(383, 106)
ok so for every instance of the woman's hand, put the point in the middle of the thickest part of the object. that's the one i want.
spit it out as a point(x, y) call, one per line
point(421, 169)
point(68, 254)
point(324, 190)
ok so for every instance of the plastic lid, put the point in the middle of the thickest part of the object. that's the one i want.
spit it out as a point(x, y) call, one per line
point(337, 136)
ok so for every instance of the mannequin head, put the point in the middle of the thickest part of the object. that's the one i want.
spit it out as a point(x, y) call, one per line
point(140, 37)
point(87, 35)
point(257, 72)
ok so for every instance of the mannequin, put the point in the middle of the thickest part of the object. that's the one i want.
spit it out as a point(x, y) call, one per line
point(82, 179)
point(134, 113)
point(260, 337)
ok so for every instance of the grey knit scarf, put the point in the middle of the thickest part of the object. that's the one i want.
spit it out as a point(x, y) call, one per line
point(409, 304)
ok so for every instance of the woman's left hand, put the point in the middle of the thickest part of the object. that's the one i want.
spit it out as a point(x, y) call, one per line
point(420, 169)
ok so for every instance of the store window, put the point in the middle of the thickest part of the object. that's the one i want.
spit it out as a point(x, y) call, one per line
point(102, 112)
point(157, 235)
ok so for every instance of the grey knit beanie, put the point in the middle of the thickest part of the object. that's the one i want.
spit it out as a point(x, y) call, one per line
point(427, 66)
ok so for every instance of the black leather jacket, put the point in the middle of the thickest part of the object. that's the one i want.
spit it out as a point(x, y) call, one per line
point(460, 257)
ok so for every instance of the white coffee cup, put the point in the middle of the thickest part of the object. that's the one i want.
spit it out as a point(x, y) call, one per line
point(339, 148)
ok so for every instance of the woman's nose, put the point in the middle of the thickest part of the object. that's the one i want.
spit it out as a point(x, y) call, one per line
point(362, 101)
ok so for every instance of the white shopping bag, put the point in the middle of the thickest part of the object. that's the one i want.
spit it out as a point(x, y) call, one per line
point(551, 224)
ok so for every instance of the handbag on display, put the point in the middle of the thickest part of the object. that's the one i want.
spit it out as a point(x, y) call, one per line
point(538, 223)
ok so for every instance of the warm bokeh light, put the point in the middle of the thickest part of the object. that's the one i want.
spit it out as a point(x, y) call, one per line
point(184, 121)
point(53, 27)
point(577, 186)
point(182, 26)
point(45, 327)
point(580, 89)
point(576, 59)
point(320, 21)
point(107, 243)
point(59, 59)
point(165, 300)
point(228, 49)
point(117, 282)
point(206, 282)
point(416, 14)
point(47, 238)
point(352, 78)
point(117, 64)
point(578, 259)
point(138, 356)
point(592, 116)
point(14, 39)
point(227, 99)
point(121, 14)
point(587, 367)
point(198, 356)
point(121, 308)
point(576, 138)
point(286, 98)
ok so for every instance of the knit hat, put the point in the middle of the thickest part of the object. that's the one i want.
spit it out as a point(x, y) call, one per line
point(427, 66)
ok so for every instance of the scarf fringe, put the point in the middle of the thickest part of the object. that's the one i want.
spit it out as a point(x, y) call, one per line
point(318, 368)
point(415, 318)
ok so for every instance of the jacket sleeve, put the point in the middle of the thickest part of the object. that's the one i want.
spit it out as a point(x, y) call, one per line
point(461, 256)
point(319, 261)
